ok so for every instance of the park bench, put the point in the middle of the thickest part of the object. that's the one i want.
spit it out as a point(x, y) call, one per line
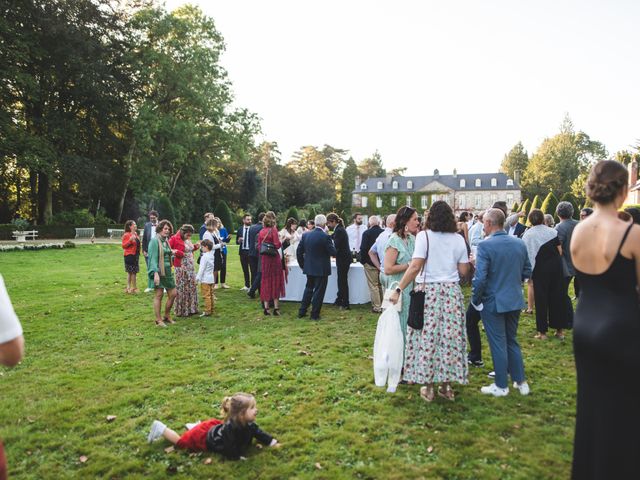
point(85, 232)
point(22, 236)
point(115, 232)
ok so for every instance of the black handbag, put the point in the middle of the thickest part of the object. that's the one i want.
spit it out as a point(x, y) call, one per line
point(415, 317)
point(268, 248)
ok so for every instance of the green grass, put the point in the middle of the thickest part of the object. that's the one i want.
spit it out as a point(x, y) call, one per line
point(93, 351)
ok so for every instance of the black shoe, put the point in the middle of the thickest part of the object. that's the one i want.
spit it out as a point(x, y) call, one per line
point(276, 312)
point(314, 318)
point(476, 363)
point(251, 294)
point(266, 311)
point(302, 314)
point(345, 307)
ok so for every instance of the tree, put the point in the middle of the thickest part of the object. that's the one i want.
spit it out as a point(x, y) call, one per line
point(524, 208)
point(223, 212)
point(516, 160)
point(372, 166)
point(292, 213)
point(568, 197)
point(166, 211)
point(625, 157)
point(549, 205)
point(515, 207)
point(347, 185)
point(560, 160)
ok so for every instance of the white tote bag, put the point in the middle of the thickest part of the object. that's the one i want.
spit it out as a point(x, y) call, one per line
point(388, 350)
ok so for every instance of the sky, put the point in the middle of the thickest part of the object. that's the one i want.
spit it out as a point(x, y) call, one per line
point(433, 84)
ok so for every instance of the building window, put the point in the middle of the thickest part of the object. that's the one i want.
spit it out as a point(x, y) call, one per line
point(494, 198)
point(378, 202)
point(461, 201)
point(510, 200)
point(423, 201)
point(394, 185)
point(408, 200)
point(394, 201)
point(409, 185)
point(509, 183)
point(478, 182)
point(478, 201)
point(365, 202)
point(463, 183)
point(494, 182)
point(379, 185)
point(363, 186)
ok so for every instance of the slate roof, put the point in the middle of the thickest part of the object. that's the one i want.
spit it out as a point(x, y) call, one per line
point(450, 181)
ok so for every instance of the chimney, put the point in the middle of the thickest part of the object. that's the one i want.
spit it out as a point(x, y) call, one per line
point(633, 173)
point(357, 182)
point(516, 177)
point(436, 173)
point(455, 173)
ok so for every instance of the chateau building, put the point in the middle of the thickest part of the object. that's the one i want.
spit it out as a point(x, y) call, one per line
point(464, 192)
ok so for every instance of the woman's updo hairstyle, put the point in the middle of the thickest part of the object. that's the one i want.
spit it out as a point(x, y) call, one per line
point(606, 181)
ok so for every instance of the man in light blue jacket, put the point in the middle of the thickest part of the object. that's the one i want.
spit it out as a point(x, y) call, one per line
point(502, 264)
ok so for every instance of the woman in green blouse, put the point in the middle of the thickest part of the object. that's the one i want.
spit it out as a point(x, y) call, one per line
point(159, 271)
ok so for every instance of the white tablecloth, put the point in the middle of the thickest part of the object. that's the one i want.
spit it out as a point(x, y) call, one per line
point(358, 289)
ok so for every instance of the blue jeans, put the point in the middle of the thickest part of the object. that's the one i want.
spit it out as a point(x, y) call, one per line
point(501, 329)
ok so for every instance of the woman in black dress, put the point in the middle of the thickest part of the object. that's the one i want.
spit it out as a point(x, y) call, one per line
point(543, 246)
point(606, 255)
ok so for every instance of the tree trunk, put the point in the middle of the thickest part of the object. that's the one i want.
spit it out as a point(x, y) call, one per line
point(45, 199)
point(33, 193)
point(128, 169)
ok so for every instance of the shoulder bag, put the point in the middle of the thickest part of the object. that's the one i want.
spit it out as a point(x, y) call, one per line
point(268, 248)
point(415, 318)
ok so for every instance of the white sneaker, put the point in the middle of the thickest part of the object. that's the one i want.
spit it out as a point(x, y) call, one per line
point(495, 390)
point(157, 429)
point(224, 285)
point(147, 290)
point(491, 374)
point(192, 425)
point(523, 387)
point(245, 289)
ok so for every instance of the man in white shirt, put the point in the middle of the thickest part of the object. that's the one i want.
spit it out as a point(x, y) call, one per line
point(376, 252)
point(355, 231)
point(475, 232)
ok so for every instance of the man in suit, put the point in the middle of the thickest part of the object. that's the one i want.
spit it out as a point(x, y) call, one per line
point(355, 232)
point(371, 272)
point(502, 264)
point(242, 239)
point(148, 233)
point(343, 259)
point(254, 256)
point(314, 254)
point(512, 225)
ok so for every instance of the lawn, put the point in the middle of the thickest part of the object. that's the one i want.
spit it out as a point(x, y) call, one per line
point(93, 352)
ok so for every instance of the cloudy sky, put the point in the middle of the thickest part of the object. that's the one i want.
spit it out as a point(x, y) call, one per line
point(433, 84)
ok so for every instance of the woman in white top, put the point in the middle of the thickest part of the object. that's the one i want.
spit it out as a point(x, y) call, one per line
point(287, 236)
point(437, 353)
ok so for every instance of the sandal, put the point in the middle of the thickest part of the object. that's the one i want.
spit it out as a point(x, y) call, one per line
point(540, 336)
point(169, 320)
point(427, 393)
point(446, 392)
point(276, 312)
point(527, 311)
point(160, 323)
point(266, 311)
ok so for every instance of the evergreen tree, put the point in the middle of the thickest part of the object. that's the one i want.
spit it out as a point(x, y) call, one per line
point(166, 211)
point(515, 207)
point(549, 205)
point(292, 213)
point(223, 212)
point(515, 161)
point(525, 209)
point(568, 197)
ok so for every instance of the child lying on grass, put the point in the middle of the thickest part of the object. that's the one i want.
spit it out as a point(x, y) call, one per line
point(231, 437)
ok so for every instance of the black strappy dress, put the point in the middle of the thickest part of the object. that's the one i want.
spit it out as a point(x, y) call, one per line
point(606, 343)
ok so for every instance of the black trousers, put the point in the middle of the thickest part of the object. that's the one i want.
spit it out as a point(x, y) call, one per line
point(253, 267)
point(314, 295)
point(576, 286)
point(473, 334)
point(244, 262)
point(568, 302)
point(549, 292)
point(342, 266)
point(223, 268)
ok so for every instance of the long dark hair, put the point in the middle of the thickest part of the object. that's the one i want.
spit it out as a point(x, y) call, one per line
point(441, 218)
point(333, 217)
point(403, 215)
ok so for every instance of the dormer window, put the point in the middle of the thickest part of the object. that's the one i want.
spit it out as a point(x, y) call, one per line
point(494, 182)
point(363, 186)
point(379, 185)
point(478, 182)
point(409, 185)
point(394, 185)
point(509, 183)
point(463, 183)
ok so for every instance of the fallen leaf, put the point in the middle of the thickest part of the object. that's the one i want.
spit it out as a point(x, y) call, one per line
point(207, 461)
point(318, 466)
point(430, 449)
point(169, 449)
point(304, 352)
point(233, 359)
point(111, 418)
point(83, 459)
point(259, 446)
point(265, 394)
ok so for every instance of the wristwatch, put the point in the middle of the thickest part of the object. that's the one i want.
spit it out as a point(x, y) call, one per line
point(398, 290)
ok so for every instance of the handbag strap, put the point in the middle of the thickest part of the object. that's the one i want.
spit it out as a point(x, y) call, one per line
point(426, 256)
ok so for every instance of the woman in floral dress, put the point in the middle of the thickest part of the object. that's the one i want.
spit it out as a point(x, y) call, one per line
point(187, 300)
point(436, 354)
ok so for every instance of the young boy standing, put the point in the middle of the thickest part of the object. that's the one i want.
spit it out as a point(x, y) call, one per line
point(206, 278)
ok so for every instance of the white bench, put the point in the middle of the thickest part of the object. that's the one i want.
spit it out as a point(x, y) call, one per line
point(22, 236)
point(85, 232)
point(115, 232)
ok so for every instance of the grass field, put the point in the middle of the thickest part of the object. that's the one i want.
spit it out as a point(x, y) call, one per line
point(93, 351)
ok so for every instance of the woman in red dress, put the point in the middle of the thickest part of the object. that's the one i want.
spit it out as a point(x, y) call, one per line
point(272, 282)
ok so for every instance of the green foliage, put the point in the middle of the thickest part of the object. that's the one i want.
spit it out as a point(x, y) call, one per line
point(516, 160)
point(549, 205)
point(69, 244)
point(292, 213)
point(536, 203)
point(515, 207)
point(223, 212)
point(347, 185)
point(166, 211)
point(260, 208)
point(78, 218)
point(372, 166)
point(20, 224)
point(94, 351)
point(525, 207)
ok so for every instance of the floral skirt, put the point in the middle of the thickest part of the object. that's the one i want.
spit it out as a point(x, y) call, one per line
point(438, 352)
point(187, 292)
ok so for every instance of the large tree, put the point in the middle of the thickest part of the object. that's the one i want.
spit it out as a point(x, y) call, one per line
point(516, 160)
point(372, 166)
point(560, 160)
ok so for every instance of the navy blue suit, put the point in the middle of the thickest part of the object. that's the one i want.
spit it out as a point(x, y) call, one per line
point(254, 258)
point(314, 254)
point(244, 253)
point(502, 263)
point(343, 263)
